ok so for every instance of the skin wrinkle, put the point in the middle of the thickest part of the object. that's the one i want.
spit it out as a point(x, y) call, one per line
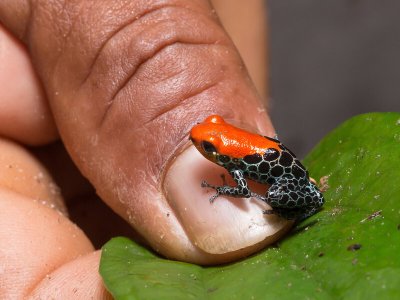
point(26, 28)
point(197, 90)
point(158, 6)
point(25, 33)
point(181, 101)
point(159, 44)
point(129, 22)
point(107, 103)
point(180, 130)
point(129, 78)
point(170, 76)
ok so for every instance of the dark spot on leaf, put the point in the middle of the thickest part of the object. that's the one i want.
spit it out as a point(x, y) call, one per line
point(321, 254)
point(354, 247)
point(372, 216)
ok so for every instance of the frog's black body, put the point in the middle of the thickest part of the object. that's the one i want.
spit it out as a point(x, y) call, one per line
point(291, 195)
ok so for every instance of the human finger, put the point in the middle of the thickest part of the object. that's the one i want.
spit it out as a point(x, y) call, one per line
point(125, 87)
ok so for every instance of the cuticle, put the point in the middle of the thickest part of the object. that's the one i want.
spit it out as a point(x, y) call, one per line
point(181, 147)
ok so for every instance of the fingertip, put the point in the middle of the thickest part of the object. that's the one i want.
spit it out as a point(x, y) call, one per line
point(24, 112)
point(35, 240)
point(228, 224)
point(78, 279)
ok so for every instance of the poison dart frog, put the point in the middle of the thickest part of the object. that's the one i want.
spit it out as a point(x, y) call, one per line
point(249, 156)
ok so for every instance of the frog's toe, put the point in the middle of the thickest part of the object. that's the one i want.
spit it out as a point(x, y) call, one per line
point(205, 184)
point(212, 199)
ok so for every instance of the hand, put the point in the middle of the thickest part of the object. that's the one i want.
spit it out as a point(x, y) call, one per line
point(125, 83)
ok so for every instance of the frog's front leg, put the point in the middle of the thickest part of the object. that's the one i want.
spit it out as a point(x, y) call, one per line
point(239, 191)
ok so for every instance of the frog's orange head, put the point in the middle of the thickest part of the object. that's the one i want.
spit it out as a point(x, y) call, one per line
point(215, 137)
point(206, 137)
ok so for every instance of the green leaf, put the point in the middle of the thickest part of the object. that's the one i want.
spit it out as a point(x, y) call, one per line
point(319, 259)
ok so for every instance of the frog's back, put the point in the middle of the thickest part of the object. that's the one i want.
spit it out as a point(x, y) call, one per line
point(272, 164)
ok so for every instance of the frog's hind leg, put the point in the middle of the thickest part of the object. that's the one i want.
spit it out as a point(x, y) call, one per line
point(292, 214)
point(306, 214)
point(292, 198)
point(288, 214)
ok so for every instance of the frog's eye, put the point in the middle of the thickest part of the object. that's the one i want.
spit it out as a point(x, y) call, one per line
point(208, 147)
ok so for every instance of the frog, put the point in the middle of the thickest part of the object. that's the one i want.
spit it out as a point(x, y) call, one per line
point(250, 156)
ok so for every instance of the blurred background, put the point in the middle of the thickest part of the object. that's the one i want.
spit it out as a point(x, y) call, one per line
point(330, 60)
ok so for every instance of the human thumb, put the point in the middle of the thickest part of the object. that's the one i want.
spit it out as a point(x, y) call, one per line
point(126, 80)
